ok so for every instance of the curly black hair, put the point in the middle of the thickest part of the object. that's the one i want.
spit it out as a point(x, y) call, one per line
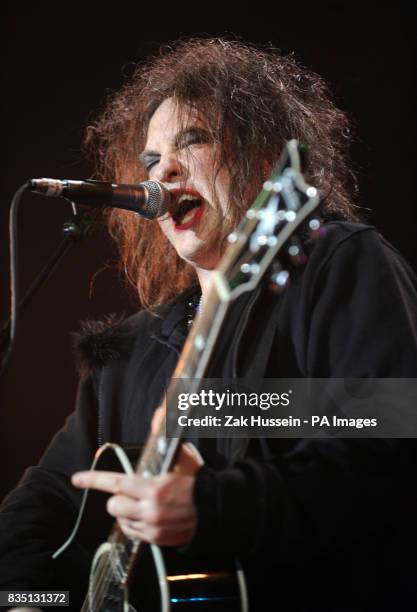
point(255, 99)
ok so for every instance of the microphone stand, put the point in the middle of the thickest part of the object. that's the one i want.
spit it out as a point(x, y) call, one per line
point(74, 231)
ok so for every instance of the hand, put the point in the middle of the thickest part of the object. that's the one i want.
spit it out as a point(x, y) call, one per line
point(158, 509)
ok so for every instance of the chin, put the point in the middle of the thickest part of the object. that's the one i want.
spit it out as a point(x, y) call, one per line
point(202, 259)
point(197, 252)
point(192, 258)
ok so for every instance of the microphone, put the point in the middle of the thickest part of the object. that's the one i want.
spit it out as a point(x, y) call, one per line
point(149, 199)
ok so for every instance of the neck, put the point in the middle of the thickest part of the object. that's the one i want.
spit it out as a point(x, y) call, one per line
point(205, 280)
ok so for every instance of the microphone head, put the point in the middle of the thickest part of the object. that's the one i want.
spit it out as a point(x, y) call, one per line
point(158, 200)
point(149, 199)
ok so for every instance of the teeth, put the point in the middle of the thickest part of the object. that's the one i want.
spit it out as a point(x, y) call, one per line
point(186, 196)
point(184, 208)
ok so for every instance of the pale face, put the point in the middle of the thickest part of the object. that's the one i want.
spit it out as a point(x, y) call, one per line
point(185, 161)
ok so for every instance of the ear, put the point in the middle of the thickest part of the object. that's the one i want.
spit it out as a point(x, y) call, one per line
point(266, 169)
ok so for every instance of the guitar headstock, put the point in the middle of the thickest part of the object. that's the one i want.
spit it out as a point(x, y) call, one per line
point(272, 222)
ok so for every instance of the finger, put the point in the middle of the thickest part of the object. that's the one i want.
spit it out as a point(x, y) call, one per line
point(122, 507)
point(111, 482)
point(163, 536)
point(133, 529)
point(132, 525)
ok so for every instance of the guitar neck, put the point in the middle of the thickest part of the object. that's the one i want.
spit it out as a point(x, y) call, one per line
point(159, 453)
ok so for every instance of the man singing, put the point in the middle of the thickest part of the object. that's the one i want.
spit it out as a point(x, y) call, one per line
point(317, 524)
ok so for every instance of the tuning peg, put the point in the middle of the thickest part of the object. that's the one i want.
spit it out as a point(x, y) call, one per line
point(278, 279)
point(316, 229)
point(296, 253)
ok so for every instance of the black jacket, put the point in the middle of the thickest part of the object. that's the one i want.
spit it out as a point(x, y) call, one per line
point(318, 524)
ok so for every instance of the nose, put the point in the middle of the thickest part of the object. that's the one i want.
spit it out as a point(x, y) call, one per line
point(168, 170)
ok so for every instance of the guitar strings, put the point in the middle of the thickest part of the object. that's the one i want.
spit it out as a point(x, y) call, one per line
point(151, 461)
point(107, 565)
point(103, 575)
point(97, 585)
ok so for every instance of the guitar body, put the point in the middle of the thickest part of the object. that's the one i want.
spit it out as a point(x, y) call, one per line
point(162, 579)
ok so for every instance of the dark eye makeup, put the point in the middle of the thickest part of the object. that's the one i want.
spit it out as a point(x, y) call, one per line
point(190, 136)
point(185, 138)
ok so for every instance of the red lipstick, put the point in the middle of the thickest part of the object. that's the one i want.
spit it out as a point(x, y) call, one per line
point(193, 214)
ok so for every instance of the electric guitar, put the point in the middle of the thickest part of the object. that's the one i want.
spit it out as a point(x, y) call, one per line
point(116, 583)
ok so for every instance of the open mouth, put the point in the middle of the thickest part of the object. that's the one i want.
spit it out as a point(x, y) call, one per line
point(187, 209)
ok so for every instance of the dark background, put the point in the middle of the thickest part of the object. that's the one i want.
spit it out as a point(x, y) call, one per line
point(61, 60)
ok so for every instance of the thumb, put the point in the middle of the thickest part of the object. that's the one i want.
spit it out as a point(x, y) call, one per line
point(189, 460)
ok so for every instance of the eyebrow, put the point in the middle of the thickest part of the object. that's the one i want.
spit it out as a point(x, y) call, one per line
point(179, 139)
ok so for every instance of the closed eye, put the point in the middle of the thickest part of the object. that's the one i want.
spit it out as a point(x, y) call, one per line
point(184, 139)
point(148, 160)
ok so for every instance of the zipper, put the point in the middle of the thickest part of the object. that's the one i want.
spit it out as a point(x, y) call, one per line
point(100, 411)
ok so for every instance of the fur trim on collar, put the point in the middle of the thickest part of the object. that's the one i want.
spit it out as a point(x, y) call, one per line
point(98, 343)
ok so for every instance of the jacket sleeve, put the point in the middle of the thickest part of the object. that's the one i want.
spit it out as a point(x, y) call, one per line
point(38, 516)
point(357, 311)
